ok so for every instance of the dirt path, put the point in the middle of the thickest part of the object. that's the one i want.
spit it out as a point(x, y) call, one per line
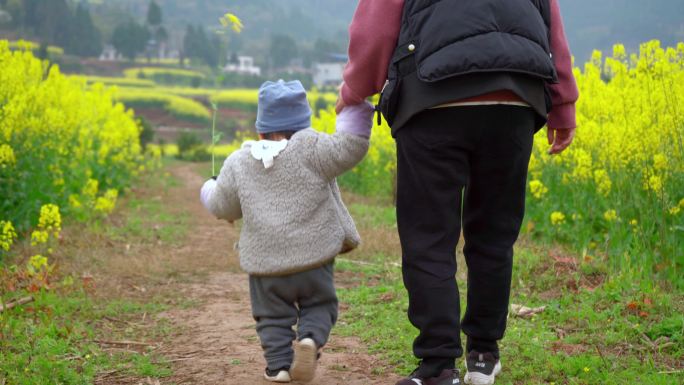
point(217, 343)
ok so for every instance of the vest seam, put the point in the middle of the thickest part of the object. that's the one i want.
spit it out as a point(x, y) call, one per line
point(480, 34)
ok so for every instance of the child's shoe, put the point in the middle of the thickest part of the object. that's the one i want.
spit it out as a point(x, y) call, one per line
point(305, 360)
point(278, 375)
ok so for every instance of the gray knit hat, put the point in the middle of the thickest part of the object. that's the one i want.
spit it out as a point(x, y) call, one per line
point(282, 107)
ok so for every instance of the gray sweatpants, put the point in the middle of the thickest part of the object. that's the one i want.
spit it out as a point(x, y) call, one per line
point(307, 299)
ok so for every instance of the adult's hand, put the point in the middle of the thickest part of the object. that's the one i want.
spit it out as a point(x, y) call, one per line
point(560, 139)
point(339, 106)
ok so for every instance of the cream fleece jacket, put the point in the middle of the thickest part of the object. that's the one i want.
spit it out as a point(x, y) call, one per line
point(287, 195)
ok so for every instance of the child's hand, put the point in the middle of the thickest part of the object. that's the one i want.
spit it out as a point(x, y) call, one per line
point(207, 191)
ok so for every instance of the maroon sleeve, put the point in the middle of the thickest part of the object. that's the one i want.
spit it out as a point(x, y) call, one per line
point(373, 35)
point(565, 93)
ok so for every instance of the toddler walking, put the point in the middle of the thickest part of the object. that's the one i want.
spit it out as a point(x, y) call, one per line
point(294, 222)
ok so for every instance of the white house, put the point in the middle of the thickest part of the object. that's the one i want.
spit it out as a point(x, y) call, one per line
point(244, 66)
point(109, 53)
point(329, 73)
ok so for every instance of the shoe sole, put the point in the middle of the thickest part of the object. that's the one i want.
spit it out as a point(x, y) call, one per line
point(305, 361)
point(476, 378)
point(282, 377)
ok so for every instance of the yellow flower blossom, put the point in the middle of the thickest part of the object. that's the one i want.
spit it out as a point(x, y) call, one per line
point(660, 162)
point(654, 183)
point(675, 210)
point(36, 264)
point(7, 235)
point(105, 204)
point(90, 189)
point(538, 189)
point(557, 218)
point(603, 182)
point(50, 219)
point(232, 21)
point(610, 215)
point(7, 157)
point(39, 237)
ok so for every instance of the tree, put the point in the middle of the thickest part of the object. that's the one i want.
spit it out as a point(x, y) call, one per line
point(189, 41)
point(154, 14)
point(87, 39)
point(130, 39)
point(197, 45)
point(161, 35)
point(283, 50)
point(52, 21)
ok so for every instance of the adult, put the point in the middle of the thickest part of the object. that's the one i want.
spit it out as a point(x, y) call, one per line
point(466, 83)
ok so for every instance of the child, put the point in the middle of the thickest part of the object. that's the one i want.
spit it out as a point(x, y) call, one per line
point(294, 222)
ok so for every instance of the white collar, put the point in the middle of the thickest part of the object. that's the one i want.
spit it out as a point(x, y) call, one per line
point(265, 150)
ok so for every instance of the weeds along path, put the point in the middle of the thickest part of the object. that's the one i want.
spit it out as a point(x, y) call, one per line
point(217, 342)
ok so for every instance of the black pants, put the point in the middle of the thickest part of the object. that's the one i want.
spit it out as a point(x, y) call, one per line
point(460, 166)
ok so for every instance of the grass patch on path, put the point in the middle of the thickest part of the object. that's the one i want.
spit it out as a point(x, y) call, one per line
point(598, 327)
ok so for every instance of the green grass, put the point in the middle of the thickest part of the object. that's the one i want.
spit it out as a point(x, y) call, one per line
point(148, 219)
point(54, 340)
point(598, 328)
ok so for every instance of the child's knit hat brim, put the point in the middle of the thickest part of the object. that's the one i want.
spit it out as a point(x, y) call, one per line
point(282, 107)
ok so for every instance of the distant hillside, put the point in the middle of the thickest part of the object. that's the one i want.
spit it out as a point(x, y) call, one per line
point(590, 24)
point(304, 20)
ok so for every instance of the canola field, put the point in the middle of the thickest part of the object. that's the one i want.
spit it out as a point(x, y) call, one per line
point(616, 197)
point(65, 149)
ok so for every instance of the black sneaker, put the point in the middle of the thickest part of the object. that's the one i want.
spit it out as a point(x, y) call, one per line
point(279, 375)
point(447, 377)
point(482, 368)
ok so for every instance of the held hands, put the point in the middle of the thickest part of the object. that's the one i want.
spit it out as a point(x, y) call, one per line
point(560, 139)
point(339, 106)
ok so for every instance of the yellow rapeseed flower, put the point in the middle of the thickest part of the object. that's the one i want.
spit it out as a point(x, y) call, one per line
point(7, 157)
point(675, 210)
point(654, 183)
point(90, 189)
point(37, 263)
point(232, 21)
point(557, 218)
point(538, 189)
point(105, 204)
point(50, 219)
point(7, 235)
point(610, 215)
point(660, 162)
point(603, 182)
point(39, 237)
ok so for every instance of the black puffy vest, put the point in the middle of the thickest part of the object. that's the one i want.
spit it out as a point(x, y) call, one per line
point(441, 39)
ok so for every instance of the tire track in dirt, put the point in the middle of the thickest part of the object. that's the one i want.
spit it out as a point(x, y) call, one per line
point(218, 343)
